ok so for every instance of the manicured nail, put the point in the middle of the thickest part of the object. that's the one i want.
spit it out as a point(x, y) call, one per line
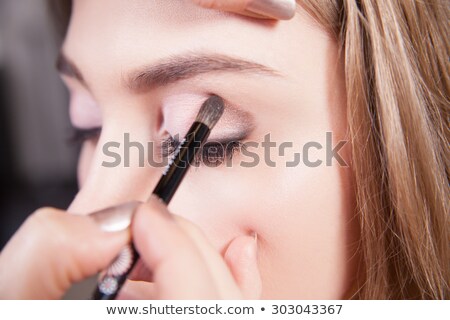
point(277, 9)
point(115, 218)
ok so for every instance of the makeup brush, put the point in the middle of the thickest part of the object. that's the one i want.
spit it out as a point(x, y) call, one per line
point(112, 279)
point(207, 117)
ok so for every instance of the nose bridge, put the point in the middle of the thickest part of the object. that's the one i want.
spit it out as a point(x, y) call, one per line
point(131, 174)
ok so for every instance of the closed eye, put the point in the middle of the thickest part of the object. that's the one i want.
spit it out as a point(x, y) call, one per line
point(79, 136)
point(212, 153)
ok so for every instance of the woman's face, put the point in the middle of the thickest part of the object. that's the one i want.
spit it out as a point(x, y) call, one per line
point(143, 68)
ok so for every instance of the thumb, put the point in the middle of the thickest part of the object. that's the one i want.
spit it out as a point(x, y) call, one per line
point(242, 259)
point(53, 250)
point(267, 9)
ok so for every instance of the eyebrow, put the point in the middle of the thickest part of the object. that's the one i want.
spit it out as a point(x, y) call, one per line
point(183, 67)
point(173, 69)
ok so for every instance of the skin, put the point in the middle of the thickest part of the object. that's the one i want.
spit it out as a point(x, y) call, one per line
point(263, 232)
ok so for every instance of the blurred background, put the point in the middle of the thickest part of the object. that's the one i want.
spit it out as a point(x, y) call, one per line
point(37, 161)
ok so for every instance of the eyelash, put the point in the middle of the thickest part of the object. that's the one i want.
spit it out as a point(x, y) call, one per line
point(79, 136)
point(214, 153)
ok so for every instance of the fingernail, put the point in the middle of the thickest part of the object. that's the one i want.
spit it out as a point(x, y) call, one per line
point(277, 9)
point(115, 218)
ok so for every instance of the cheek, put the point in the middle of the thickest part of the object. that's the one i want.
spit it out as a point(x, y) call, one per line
point(300, 215)
point(306, 233)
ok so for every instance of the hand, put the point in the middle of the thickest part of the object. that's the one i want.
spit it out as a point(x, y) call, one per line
point(53, 250)
point(266, 9)
point(184, 265)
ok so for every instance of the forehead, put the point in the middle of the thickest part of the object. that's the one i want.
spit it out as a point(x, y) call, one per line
point(112, 28)
point(128, 34)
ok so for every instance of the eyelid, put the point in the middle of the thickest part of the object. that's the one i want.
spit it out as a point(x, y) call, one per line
point(84, 111)
point(180, 109)
point(238, 136)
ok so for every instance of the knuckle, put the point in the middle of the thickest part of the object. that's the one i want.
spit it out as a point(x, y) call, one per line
point(41, 218)
point(44, 213)
point(44, 223)
point(209, 4)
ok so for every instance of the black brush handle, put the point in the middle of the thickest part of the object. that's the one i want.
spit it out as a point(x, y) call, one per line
point(109, 283)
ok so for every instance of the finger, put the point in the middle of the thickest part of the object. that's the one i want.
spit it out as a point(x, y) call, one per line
point(178, 266)
point(221, 274)
point(137, 290)
point(270, 9)
point(52, 251)
point(242, 259)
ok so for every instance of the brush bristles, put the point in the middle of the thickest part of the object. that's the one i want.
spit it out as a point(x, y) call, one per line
point(211, 111)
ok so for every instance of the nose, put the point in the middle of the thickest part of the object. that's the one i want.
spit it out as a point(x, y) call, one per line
point(107, 182)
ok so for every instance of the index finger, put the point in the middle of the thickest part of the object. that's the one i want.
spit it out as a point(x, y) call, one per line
point(270, 9)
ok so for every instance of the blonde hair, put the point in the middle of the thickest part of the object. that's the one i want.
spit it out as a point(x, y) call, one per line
point(397, 78)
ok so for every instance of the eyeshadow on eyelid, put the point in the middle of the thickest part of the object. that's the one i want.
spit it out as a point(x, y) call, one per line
point(84, 112)
point(179, 111)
